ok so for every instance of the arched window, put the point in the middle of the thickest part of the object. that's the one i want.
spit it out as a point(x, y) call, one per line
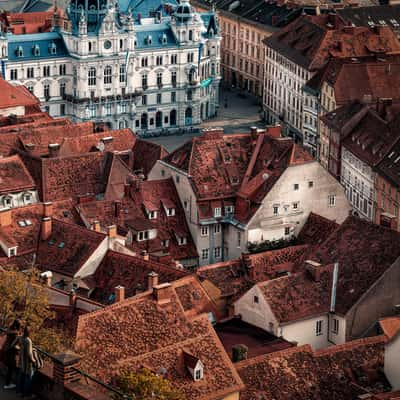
point(107, 75)
point(190, 35)
point(188, 116)
point(172, 118)
point(36, 50)
point(92, 76)
point(20, 52)
point(90, 47)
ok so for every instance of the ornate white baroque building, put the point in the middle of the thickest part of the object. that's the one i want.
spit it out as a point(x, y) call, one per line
point(148, 65)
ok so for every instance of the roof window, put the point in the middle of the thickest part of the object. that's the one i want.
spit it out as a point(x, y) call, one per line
point(53, 48)
point(61, 245)
point(149, 39)
point(20, 51)
point(36, 50)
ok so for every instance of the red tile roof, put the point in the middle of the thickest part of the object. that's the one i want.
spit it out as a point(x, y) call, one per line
point(311, 41)
point(68, 248)
point(363, 251)
point(14, 177)
point(316, 229)
point(15, 96)
point(225, 167)
point(162, 334)
point(341, 372)
point(132, 214)
point(128, 271)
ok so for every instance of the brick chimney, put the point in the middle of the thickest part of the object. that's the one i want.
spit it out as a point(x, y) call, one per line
point(107, 141)
point(152, 280)
point(254, 132)
point(117, 208)
point(314, 269)
point(30, 147)
point(5, 218)
point(163, 293)
point(64, 365)
point(119, 292)
point(46, 228)
point(145, 255)
point(72, 298)
point(96, 226)
point(54, 150)
point(112, 231)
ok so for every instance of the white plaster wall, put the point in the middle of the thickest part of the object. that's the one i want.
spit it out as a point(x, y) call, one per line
point(264, 225)
point(90, 266)
point(257, 314)
point(18, 200)
point(340, 337)
point(303, 332)
point(392, 362)
point(19, 110)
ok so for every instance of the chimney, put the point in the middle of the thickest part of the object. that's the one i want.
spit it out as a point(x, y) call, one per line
point(152, 280)
point(135, 183)
point(30, 147)
point(72, 298)
point(388, 220)
point(47, 278)
point(112, 231)
point(162, 293)
point(85, 198)
point(314, 269)
point(107, 141)
point(119, 292)
point(54, 150)
point(46, 228)
point(117, 208)
point(96, 226)
point(254, 132)
point(48, 209)
point(145, 255)
point(5, 218)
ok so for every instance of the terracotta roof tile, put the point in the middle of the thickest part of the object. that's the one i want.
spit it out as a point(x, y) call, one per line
point(14, 176)
point(15, 96)
point(341, 372)
point(162, 334)
point(390, 326)
point(316, 229)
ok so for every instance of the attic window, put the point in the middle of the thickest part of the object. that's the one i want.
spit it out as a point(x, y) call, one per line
point(20, 51)
point(22, 224)
point(165, 243)
point(229, 210)
point(149, 40)
point(12, 252)
point(182, 240)
point(217, 212)
point(164, 39)
point(61, 245)
point(170, 212)
point(152, 214)
point(7, 201)
point(28, 222)
point(36, 50)
point(144, 235)
point(53, 48)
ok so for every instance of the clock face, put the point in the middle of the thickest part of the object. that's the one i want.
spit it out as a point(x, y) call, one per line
point(107, 44)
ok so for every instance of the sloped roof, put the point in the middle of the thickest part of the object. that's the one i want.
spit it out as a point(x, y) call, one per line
point(14, 176)
point(14, 96)
point(339, 372)
point(390, 326)
point(68, 248)
point(162, 333)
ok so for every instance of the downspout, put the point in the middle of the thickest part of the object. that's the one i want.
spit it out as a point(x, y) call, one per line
point(333, 298)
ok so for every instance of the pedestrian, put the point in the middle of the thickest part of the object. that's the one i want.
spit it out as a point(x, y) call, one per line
point(26, 364)
point(11, 353)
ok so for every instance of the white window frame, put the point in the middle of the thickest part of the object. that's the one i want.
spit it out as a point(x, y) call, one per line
point(318, 327)
point(217, 212)
point(204, 231)
point(205, 254)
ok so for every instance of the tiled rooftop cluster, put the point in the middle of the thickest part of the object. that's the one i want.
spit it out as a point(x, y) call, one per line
point(162, 336)
point(341, 372)
point(310, 41)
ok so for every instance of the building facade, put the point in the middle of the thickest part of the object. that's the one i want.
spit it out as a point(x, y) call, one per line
point(149, 69)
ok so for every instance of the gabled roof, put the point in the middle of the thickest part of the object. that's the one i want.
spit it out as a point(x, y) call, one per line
point(68, 248)
point(316, 229)
point(131, 272)
point(14, 177)
point(341, 372)
point(15, 96)
point(390, 326)
point(162, 334)
point(310, 41)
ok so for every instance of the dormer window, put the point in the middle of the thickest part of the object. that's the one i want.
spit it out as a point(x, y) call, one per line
point(7, 201)
point(12, 252)
point(164, 39)
point(170, 212)
point(182, 240)
point(27, 198)
point(20, 51)
point(36, 50)
point(229, 210)
point(149, 39)
point(53, 48)
point(217, 212)
point(152, 214)
point(165, 243)
point(194, 366)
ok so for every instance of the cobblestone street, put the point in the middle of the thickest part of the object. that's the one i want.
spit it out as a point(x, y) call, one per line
point(242, 111)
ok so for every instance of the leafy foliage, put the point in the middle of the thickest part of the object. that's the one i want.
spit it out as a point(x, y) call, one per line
point(268, 245)
point(21, 297)
point(145, 385)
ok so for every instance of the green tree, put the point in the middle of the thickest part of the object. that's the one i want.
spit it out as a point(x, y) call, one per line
point(145, 385)
point(22, 297)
